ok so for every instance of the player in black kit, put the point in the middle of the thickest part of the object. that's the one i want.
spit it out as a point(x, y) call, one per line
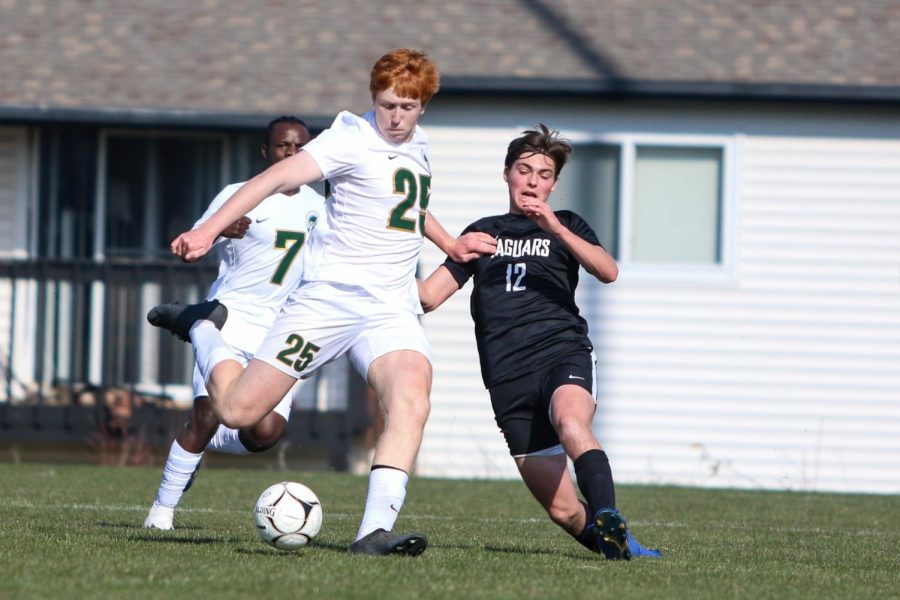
point(536, 357)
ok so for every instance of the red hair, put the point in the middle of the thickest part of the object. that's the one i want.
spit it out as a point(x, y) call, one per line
point(410, 73)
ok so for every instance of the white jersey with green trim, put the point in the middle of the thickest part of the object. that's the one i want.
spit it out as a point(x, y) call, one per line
point(259, 271)
point(372, 231)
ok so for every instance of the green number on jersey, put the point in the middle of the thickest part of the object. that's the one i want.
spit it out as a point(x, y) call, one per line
point(296, 345)
point(405, 183)
point(282, 239)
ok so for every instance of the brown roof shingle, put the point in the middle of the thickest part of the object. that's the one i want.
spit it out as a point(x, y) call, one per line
point(312, 56)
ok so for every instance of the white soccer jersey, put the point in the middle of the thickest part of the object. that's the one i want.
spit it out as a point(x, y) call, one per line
point(374, 219)
point(257, 272)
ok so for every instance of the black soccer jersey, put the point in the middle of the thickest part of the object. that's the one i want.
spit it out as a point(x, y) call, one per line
point(523, 303)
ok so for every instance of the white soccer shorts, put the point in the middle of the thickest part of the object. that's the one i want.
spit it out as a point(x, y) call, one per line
point(283, 408)
point(322, 321)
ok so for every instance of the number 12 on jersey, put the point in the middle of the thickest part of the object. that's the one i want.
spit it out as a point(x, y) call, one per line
point(515, 273)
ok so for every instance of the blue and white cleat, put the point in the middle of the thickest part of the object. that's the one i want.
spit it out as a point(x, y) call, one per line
point(611, 530)
point(638, 551)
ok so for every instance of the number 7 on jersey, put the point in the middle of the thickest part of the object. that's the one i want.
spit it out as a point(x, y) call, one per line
point(293, 242)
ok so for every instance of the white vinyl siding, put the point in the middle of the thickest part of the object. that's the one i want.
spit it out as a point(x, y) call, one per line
point(783, 372)
point(790, 377)
point(461, 439)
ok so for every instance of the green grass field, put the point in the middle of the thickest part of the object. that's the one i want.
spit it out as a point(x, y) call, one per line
point(75, 532)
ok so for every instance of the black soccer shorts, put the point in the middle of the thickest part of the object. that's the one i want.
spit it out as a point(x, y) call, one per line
point(522, 405)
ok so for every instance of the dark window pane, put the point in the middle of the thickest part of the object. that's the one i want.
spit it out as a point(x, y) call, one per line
point(67, 186)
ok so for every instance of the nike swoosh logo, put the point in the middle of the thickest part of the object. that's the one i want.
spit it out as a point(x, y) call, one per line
point(394, 509)
point(261, 220)
point(576, 377)
point(392, 157)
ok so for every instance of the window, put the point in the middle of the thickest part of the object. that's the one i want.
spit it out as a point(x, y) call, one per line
point(656, 202)
point(122, 194)
point(589, 186)
point(66, 183)
point(156, 187)
point(675, 207)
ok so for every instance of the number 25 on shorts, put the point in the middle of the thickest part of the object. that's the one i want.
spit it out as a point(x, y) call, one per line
point(297, 345)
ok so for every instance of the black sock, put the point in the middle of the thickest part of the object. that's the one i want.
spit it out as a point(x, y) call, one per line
point(588, 537)
point(595, 479)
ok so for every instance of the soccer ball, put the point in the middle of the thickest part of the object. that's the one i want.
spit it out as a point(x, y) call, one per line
point(287, 515)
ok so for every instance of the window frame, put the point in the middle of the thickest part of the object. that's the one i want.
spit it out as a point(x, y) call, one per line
point(100, 197)
point(628, 143)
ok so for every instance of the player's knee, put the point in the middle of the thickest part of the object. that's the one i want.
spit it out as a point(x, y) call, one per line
point(564, 515)
point(264, 434)
point(419, 409)
point(411, 408)
point(572, 428)
point(236, 417)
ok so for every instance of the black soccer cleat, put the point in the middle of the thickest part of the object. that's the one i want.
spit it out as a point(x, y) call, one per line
point(612, 534)
point(383, 543)
point(179, 318)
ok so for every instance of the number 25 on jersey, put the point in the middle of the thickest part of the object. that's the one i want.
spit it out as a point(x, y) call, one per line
point(412, 189)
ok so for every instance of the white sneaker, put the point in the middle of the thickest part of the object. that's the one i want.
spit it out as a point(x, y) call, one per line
point(159, 517)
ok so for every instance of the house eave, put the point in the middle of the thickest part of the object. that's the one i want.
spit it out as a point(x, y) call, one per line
point(635, 89)
point(146, 117)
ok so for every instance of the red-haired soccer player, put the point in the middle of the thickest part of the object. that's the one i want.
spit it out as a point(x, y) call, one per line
point(358, 294)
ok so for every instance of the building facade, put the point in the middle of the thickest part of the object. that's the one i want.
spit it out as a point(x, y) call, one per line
point(739, 160)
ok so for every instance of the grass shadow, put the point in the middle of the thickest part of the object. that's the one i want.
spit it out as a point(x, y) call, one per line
point(313, 547)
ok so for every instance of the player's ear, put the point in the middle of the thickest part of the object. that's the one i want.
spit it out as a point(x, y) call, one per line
point(264, 151)
point(506, 175)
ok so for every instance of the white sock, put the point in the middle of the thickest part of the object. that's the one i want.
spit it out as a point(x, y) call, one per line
point(209, 347)
point(387, 490)
point(227, 440)
point(180, 465)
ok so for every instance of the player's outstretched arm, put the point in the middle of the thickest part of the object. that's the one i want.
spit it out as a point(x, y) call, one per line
point(283, 176)
point(439, 286)
point(462, 249)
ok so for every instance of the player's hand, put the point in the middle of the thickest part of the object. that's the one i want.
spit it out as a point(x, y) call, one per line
point(192, 245)
point(472, 245)
point(542, 214)
point(237, 230)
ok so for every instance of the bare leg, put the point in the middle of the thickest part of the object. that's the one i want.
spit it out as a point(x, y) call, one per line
point(572, 410)
point(264, 434)
point(200, 428)
point(242, 397)
point(547, 478)
point(402, 383)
